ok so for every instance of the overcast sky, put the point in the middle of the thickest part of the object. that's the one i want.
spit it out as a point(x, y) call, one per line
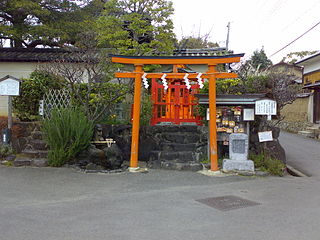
point(271, 24)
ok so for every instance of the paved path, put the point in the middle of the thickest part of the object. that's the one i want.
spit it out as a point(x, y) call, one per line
point(302, 153)
point(51, 204)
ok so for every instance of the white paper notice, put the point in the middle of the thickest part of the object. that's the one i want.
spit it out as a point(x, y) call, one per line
point(248, 114)
point(265, 136)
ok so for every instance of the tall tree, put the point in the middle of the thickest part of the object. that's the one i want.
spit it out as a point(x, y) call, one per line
point(293, 57)
point(259, 60)
point(137, 27)
point(29, 23)
point(192, 42)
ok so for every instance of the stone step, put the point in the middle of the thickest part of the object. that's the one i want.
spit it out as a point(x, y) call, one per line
point(176, 128)
point(34, 153)
point(175, 156)
point(181, 138)
point(165, 146)
point(37, 135)
point(169, 165)
point(33, 162)
point(306, 133)
point(38, 144)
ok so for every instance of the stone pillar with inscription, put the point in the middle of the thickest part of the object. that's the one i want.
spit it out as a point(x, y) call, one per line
point(238, 154)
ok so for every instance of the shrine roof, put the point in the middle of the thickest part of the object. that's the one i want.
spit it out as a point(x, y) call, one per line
point(181, 57)
point(170, 60)
point(227, 99)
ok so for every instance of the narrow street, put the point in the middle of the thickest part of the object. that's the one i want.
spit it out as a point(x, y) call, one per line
point(302, 153)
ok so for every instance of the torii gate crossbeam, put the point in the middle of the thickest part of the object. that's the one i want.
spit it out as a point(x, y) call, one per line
point(211, 74)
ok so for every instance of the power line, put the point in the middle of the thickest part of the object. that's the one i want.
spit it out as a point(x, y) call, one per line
point(295, 39)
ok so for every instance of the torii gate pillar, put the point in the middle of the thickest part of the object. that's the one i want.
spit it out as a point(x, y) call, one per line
point(136, 118)
point(213, 149)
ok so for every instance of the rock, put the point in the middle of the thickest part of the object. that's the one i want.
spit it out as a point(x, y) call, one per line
point(262, 174)
point(10, 158)
point(146, 145)
point(114, 157)
point(238, 165)
point(91, 155)
point(186, 166)
point(39, 162)
point(20, 162)
point(275, 150)
point(92, 166)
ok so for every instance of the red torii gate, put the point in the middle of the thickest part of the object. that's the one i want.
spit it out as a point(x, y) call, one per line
point(211, 74)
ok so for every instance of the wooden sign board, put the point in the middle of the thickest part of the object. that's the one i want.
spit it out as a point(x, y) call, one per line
point(9, 86)
point(266, 107)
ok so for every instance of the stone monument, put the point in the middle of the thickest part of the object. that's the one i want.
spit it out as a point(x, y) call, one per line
point(238, 154)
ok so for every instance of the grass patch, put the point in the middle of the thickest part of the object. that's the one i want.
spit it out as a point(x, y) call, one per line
point(268, 164)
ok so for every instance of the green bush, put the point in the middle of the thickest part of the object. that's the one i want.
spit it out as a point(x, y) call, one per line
point(67, 133)
point(5, 150)
point(146, 110)
point(26, 106)
point(97, 99)
point(266, 163)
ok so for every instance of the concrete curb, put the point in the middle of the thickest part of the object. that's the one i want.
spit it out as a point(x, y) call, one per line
point(295, 172)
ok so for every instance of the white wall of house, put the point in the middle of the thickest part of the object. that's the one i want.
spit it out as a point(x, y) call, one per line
point(17, 69)
point(310, 109)
point(311, 66)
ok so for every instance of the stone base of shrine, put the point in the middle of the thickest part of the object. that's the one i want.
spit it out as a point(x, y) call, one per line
point(237, 165)
point(180, 166)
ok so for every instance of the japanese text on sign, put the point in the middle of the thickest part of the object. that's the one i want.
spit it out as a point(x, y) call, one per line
point(9, 87)
point(266, 107)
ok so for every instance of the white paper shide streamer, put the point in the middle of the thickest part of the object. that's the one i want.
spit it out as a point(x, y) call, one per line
point(164, 81)
point(145, 81)
point(186, 80)
point(200, 82)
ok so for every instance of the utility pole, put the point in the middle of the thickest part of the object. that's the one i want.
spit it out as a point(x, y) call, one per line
point(227, 42)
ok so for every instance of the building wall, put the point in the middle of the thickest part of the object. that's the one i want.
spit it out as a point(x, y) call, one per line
point(17, 69)
point(288, 69)
point(298, 111)
point(311, 77)
point(311, 66)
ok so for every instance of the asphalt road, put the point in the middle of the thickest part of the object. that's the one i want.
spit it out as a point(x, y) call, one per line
point(302, 153)
point(51, 204)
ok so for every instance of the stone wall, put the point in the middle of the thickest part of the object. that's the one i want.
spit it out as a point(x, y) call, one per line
point(21, 133)
point(297, 111)
point(168, 147)
point(173, 147)
point(298, 115)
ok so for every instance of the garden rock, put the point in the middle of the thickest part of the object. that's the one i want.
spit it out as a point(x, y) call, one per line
point(20, 162)
point(91, 155)
point(275, 150)
point(113, 156)
point(39, 162)
point(92, 166)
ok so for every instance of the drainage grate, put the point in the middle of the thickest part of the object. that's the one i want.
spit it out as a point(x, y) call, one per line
point(226, 203)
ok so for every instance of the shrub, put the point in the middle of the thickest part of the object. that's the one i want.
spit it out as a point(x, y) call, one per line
point(5, 150)
point(26, 106)
point(266, 163)
point(67, 133)
point(146, 110)
point(98, 99)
